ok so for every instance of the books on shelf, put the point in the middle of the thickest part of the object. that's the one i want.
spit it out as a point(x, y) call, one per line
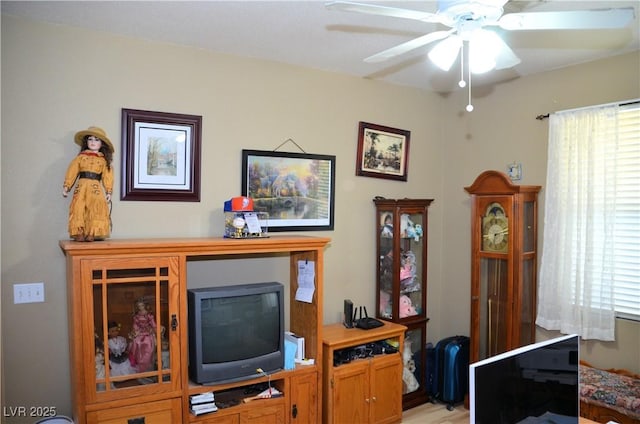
point(203, 408)
point(201, 398)
point(202, 403)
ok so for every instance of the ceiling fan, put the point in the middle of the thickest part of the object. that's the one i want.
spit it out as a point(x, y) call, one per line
point(467, 20)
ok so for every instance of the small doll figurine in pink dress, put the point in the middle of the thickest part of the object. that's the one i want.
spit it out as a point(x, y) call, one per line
point(143, 344)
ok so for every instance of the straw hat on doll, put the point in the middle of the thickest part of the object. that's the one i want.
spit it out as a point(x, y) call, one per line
point(96, 132)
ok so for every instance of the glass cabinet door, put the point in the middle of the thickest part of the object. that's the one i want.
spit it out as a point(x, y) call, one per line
point(401, 271)
point(134, 326)
point(410, 302)
point(529, 227)
point(495, 310)
point(386, 263)
point(527, 332)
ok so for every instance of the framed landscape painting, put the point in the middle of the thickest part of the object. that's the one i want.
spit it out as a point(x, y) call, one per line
point(160, 156)
point(297, 190)
point(383, 152)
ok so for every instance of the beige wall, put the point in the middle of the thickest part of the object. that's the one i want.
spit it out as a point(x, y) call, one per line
point(503, 129)
point(57, 80)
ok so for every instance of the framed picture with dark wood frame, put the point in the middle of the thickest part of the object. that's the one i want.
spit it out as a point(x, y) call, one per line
point(297, 190)
point(160, 156)
point(383, 152)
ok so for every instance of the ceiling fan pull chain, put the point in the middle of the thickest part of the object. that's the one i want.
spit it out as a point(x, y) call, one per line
point(462, 82)
point(469, 105)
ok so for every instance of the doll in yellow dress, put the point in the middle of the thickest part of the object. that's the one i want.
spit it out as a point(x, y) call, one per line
point(89, 215)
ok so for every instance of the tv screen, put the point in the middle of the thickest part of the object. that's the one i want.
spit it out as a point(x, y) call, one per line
point(537, 383)
point(234, 330)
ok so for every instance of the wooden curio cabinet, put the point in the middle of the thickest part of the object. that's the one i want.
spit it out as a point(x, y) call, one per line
point(401, 279)
point(504, 229)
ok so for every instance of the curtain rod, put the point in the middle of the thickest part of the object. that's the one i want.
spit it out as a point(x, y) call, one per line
point(626, 103)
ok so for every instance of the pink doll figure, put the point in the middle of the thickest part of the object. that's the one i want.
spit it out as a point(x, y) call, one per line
point(143, 344)
point(406, 307)
point(406, 271)
point(408, 281)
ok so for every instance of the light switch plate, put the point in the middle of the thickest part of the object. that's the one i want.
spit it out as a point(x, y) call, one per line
point(28, 293)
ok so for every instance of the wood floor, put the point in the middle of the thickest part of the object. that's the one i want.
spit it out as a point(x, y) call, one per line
point(430, 413)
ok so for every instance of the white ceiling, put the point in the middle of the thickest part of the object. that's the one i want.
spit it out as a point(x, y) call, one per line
point(307, 34)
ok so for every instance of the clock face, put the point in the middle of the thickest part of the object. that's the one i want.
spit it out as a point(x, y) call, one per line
point(495, 229)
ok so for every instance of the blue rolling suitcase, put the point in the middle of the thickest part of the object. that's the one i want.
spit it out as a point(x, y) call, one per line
point(451, 370)
point(431, 385)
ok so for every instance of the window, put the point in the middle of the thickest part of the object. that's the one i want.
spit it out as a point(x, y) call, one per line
point(626, 268)
point(590, 264)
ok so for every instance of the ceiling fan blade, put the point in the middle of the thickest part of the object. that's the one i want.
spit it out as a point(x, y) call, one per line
point(347, 6)
point(580, 19)
point(408, 46)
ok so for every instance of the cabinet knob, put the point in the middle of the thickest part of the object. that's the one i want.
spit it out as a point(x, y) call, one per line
point(294, 411)
point(367, 400)
point(374, 399)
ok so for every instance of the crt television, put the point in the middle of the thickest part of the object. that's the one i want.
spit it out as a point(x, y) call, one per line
point(234, 331)
point(537, 383)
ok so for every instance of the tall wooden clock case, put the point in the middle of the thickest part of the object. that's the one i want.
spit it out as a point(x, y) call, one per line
point(504, 220)
point(401, 247)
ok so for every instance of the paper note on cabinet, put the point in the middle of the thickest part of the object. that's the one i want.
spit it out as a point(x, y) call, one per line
point(306, 281)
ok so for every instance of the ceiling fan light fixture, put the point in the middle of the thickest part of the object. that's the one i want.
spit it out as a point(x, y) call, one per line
point(484, 47)
point(480, 64)
point(445, 52)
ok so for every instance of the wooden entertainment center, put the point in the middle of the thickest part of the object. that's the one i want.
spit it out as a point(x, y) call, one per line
point(106, 279)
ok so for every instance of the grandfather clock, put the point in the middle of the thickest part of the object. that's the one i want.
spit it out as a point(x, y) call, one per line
point(504, 220)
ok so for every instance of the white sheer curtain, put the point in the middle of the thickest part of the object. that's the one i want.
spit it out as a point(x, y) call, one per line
point(575, 293)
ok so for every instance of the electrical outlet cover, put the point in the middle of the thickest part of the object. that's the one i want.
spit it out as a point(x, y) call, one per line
point(514, 170)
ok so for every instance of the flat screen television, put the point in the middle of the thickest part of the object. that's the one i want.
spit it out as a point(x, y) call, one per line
point(537, 383)
point(235, 330)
